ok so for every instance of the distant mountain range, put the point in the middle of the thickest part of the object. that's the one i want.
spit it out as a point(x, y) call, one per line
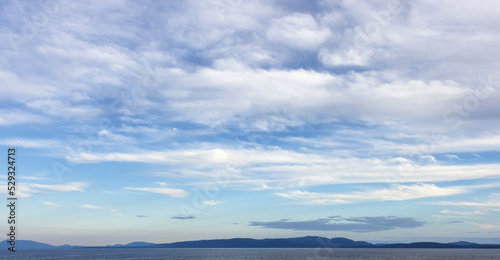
point(299, 242)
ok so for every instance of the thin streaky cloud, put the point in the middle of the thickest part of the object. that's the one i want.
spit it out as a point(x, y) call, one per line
point(49, 203)
point(211, 202)
point(72, 186)
point(395, 193)
point(88, 206)
point(176, 193)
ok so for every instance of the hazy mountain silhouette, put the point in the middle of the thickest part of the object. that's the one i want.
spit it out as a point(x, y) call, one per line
point(298, 242)
point(29, 244)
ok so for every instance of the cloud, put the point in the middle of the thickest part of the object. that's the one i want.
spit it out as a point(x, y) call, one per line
point(347, 57)
point(338, 223)
point(489, 204)
point(58, 108)
point(176, 193)
point(477, 144)
point(115, 211)
point(24, 191)
point(183, 217)
point(397, 192)
point(299, 31)
point(285, 168)
point(13, 117)
point(73, 186)
point(429, 158)
point(275, 89)
point(211, 202)
point(494, 227)
point(452, 156)
point(48, 203)
point(28, 189)
point(88, 206)
point(230, 156)
point(462, 213)
point(141, 216)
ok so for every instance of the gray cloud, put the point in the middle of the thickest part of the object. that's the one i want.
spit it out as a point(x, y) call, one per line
point(141, 216)
point(338, 223)
point(183, 217)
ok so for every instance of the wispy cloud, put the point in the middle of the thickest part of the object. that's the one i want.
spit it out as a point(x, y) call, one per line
point(211, 202)
point(461, 213)
point(298, 31)
point(495, 204)
point(452, 156)
point(115, 211)
point(176, 193)
point(29, 189)
point(286, 168)
point(338, 223)
point(88, 206)
point(48, 203)
point(73, 186)
point(31, 143)
point(397, 192)
point(13, 117)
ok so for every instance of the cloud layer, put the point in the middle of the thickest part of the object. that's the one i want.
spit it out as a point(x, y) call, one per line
point(293, 102)
point(338, 223)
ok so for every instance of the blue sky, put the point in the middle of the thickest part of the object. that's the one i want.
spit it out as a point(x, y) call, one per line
point(165, 121)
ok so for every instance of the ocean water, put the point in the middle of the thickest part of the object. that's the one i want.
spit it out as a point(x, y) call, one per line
point(272, 254)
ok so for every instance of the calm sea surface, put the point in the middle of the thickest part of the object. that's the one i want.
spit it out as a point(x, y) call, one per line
point(282, 254)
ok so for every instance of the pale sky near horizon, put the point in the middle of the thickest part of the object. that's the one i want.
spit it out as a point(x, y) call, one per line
point(166, 121)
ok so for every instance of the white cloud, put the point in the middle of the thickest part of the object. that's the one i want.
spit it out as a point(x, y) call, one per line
point(88, 206)
point(73, 186)
point(428, 157)
point(494, 228)
point(31, 143)
point(14, 116)
point(176, 193)
point(287, 168)
point(59, 108)
point(22, 88)
point(251, 95)
point(24, 191)
point(115, 211)
point(452, 156)
point(395, 193)
point(298, 31)
point(29, 189)
point(471, 144)
point(211, 202)
point(462, 213)
point(233, 69)
point(489, 204)
point(208, 156)
point(345, 57)
point(48, 203)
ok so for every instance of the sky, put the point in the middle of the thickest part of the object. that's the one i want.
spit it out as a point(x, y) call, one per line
point(165, 121)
